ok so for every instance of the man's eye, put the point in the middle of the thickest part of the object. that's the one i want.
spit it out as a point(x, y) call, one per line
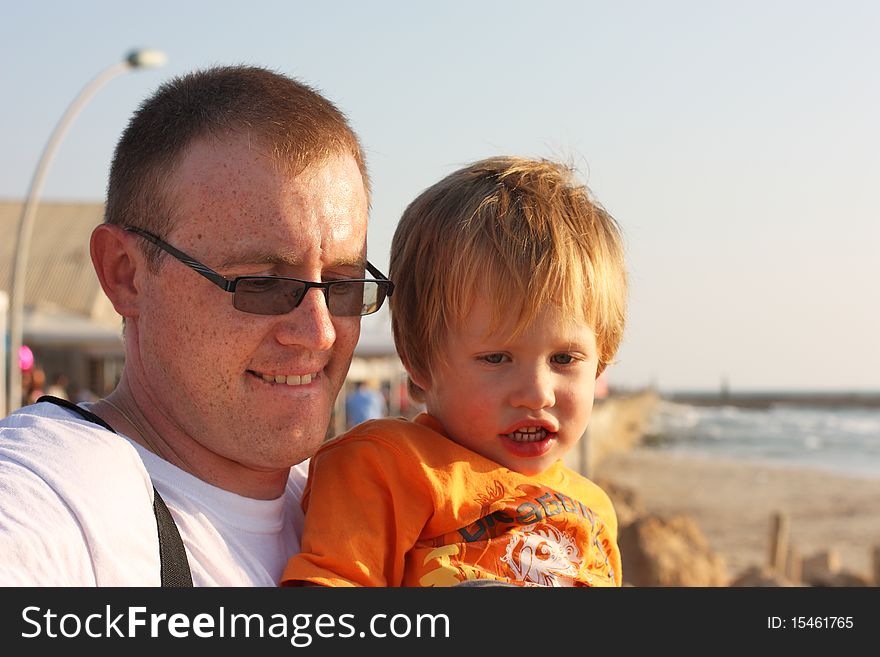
point(259, 284)
point(346, 288)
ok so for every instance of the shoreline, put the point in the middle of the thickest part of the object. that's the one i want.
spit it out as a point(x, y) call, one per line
point(733, 503)
point(763, 400)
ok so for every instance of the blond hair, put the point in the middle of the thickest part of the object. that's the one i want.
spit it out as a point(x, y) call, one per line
point(529, 231)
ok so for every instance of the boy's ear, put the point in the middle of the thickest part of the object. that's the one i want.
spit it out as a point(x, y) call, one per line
point(414, 378)
point(116, 259)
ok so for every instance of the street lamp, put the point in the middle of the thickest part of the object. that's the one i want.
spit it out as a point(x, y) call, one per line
point(134, 59)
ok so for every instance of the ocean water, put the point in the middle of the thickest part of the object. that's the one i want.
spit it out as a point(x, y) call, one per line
point(842, 440)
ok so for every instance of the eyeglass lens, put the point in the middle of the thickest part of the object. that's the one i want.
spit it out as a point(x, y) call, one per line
point(277, 296)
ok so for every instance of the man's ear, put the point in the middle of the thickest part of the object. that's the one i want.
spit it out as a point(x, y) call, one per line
point(116, 259)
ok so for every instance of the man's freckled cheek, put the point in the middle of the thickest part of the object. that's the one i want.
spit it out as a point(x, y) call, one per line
point(203, 334)
point(196, 321)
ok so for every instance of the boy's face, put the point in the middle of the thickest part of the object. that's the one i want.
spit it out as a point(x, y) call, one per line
point(520, 402)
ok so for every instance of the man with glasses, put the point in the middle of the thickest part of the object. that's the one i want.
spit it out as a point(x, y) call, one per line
point(234, 248)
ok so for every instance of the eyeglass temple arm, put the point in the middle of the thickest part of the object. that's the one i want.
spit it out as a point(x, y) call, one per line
point(382, 277)
point(213, 276)
point(205, 271)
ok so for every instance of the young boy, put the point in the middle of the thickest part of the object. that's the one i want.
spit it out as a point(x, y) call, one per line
point(509, 300)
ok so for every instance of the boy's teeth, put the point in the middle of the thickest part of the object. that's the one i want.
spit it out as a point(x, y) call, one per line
point(528, 434)
point(290, 379)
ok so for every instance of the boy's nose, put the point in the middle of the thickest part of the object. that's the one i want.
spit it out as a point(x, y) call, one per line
point(534, 390)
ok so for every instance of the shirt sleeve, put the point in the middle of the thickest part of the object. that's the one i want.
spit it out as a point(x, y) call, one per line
point(39, 549)
point(365, 509)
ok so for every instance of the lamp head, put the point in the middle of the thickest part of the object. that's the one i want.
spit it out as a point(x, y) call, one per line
point(146, 58)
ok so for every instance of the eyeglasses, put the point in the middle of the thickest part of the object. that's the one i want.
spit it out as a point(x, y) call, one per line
point(277, 295)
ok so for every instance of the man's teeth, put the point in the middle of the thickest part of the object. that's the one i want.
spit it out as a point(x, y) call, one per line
point(290, 379)
point(528, 435)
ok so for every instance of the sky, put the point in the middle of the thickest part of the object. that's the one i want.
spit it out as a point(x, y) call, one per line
point(736, 143)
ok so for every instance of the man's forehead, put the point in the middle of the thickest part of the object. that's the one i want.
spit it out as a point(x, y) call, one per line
point(230, 188)
point(260, 255)
point(236, 156)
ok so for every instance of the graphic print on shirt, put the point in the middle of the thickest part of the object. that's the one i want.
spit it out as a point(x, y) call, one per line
point(533, 535)
point(546, 556)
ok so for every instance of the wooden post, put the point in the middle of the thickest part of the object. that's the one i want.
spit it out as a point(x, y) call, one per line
point(821, 566)
point(834, 560)
point(875, 561)
point(793, 565)
point(778, 542)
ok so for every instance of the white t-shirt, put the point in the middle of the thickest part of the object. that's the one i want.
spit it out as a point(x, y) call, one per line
point(76, 509)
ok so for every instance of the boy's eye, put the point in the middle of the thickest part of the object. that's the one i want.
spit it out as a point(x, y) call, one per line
point(562, 359)
point(494, 358)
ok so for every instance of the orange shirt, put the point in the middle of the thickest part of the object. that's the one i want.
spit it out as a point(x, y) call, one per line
point(396, 503)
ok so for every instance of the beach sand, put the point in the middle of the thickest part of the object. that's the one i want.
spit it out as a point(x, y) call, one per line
point(733, 503)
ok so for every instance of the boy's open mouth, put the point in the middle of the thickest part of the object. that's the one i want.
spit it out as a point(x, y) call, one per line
point(528, 435)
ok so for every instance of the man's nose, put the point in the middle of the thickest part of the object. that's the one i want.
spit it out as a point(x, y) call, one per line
point(309, 324)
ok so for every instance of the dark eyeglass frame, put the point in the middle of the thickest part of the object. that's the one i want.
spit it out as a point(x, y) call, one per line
point(229, 285)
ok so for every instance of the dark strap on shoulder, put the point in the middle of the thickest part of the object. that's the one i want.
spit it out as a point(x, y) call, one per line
point(172, 555)
point(69, 405)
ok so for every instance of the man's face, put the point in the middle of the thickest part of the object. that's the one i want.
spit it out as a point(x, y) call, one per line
point(204, 364)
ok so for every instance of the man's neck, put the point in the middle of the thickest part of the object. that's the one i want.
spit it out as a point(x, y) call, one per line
point(160, 435)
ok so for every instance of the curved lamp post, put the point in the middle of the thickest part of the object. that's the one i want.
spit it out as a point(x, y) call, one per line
point(135, 59)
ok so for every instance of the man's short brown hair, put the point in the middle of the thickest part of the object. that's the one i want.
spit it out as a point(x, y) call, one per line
point(294, 124)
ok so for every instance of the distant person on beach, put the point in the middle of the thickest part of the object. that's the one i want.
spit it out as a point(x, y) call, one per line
point(234, 248)
point(509, 301)
point(365, 402)
point(36, 384)
point(58, 387)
